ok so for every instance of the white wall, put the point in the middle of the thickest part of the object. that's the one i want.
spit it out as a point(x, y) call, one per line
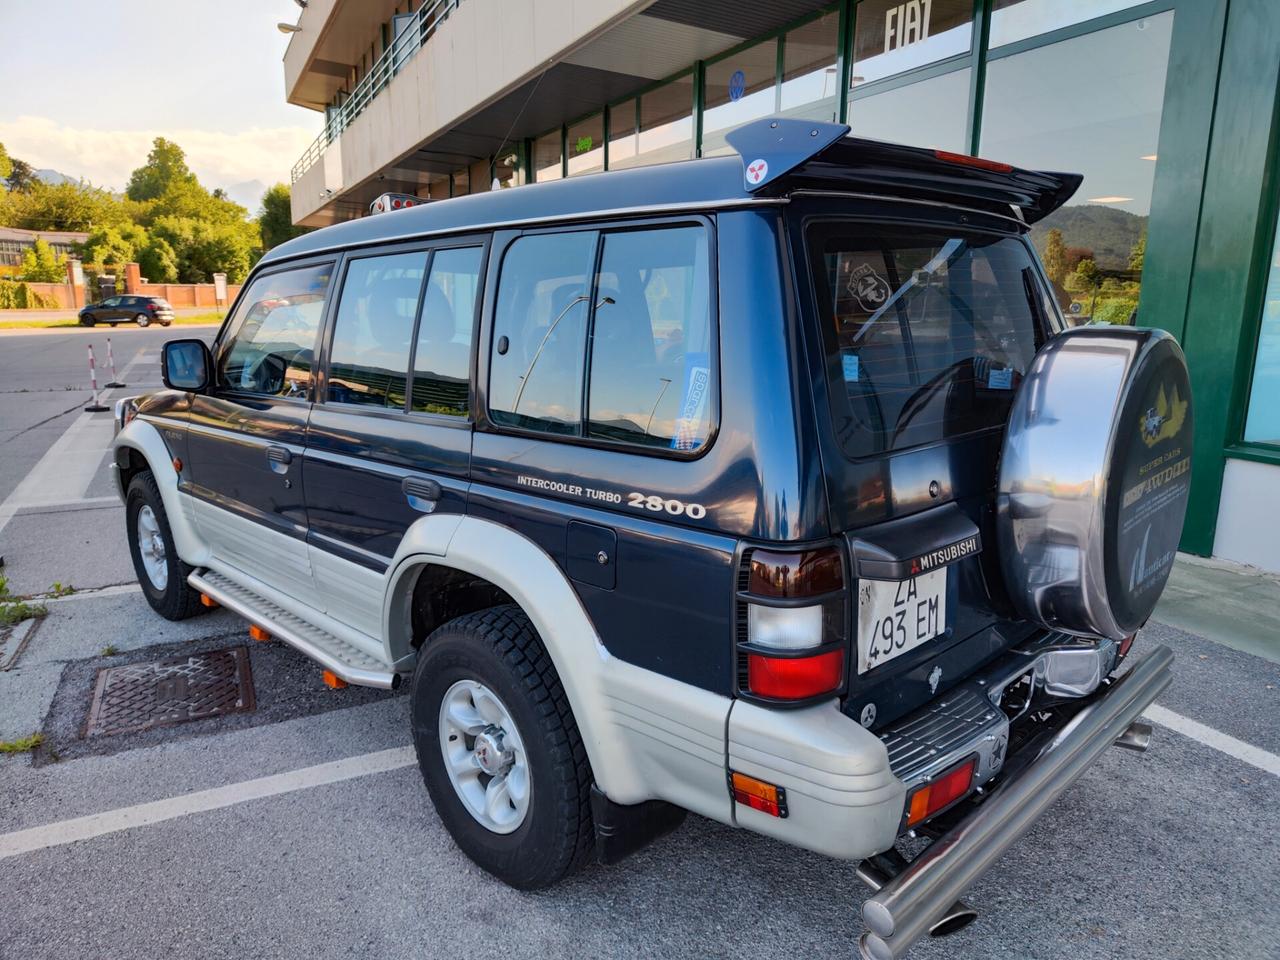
point(1249, 515)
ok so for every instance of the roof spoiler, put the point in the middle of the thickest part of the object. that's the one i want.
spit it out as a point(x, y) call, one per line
point(780, 154)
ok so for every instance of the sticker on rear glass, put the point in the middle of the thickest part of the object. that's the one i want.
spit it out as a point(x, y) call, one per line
point(869, 288)
point(1000, 378)
point(850, 361)
point(693, 411)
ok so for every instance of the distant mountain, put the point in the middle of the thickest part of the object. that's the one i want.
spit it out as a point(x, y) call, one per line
point(53, 177)
point(1108, 232)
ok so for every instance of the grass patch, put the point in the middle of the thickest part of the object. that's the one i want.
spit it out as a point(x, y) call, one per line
point(109, 650)
point(14, 610)
point(23, 745)
point(193, 320)
point(59, 589)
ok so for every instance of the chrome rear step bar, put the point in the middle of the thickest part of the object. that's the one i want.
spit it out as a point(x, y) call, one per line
point(910, 904)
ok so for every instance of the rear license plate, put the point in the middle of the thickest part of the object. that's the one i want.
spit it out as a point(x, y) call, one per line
point(895, 616)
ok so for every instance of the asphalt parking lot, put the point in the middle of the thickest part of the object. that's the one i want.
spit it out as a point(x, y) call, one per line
point(302, 828)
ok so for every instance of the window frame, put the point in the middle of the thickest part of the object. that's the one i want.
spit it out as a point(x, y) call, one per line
point(601, 229)
point(225, 339)
point(430, 247)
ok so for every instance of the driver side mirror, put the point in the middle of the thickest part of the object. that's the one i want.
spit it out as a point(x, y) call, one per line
point(186, 365)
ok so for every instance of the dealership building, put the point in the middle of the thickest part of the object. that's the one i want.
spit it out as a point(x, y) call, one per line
point(1169, 109)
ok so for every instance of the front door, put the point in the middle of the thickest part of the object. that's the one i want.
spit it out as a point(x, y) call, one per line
point(391, 440)
point(247, 434)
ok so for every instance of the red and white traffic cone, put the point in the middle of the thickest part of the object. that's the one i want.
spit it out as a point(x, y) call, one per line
point(96, 406)
point(111, 363)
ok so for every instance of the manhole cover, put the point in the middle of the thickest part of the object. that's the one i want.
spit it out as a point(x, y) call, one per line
point(140, 696)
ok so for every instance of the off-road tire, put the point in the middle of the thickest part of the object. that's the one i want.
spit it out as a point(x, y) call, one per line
point(500, 648)
point(177, 601)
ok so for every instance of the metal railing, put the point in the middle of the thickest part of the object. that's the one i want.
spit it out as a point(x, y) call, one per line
point(404, 45)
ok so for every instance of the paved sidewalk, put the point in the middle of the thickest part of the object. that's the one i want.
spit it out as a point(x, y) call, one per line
point(1229, 603)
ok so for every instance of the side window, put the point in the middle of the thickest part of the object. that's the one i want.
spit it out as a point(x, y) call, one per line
point(369, 359)
point(446, 328)
point(652, 375)
point(110, 302)
point(270, 347)
point(539, 327)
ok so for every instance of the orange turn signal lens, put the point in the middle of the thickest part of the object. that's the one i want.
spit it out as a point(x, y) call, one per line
point(333, 681)
point(938, 794)
point(759, 795)
point(257, 633)
point(207, 601)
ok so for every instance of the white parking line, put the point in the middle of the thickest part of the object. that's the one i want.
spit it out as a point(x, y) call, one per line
point(1223, 743)
point(157, 811)
point(68, 466)
point(142, 814)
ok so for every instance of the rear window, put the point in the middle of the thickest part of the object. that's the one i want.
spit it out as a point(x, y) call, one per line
point(927, 333)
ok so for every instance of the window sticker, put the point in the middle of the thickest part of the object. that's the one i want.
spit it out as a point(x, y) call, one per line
point(869, 288)
point(850, 361)
point(1000, 378)
point(693, 409)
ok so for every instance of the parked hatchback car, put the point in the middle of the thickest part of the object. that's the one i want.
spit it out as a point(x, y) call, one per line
point(143, 311)
point(776, 491)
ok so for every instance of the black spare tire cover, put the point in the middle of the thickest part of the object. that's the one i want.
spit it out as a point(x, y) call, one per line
point(1094, 479)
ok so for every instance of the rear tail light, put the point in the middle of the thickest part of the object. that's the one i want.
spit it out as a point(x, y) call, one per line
point(941, 792)
point(151, 307)
point(791, 621)
point(1125, 644)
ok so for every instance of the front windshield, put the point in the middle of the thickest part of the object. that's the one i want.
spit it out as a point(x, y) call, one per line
point(928, 332)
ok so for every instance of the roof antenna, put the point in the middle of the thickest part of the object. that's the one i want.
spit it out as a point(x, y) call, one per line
point(497, 153)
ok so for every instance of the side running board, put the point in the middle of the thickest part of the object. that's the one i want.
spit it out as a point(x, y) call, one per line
point(333, 653)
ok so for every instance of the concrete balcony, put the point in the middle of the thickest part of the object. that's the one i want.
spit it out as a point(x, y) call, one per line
point(466, 55)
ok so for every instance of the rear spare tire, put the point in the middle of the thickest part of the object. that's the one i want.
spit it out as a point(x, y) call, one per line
point(1094, 479)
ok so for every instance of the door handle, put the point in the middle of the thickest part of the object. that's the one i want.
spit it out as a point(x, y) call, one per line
point(279, 458)
point(422, 493)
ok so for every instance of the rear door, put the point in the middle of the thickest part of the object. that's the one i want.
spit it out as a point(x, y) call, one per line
point(922, 333)
point(246, 434)
point(390, 441)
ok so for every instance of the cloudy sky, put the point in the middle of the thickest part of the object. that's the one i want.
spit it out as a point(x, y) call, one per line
point(88, 84)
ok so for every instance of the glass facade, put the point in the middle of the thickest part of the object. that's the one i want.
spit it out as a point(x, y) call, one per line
point(811, 70)
point(1014, 20)
point(548, 157)
point(1103, 123)
point(1262, 424)
point(666, 122)
point(741, 87)
point(891, 37)
point(585, 145)
point(927, 113)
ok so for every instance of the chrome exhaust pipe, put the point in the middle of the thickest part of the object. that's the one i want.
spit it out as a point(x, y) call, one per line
point(1137, 738)
point(958, 916)
point(911, 903)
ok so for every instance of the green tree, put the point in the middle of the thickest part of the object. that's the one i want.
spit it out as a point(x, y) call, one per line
point(275, 222)
point(41, 265)
point(166, 167)
point(158, 262)
point(1138, 254)
point(62, 206)
point(6, 165)
point(114, 244)
point(1055, 257)
point(20, 176)
point(1087, 272)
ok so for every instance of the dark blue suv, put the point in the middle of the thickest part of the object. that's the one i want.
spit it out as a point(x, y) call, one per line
point(768, 486)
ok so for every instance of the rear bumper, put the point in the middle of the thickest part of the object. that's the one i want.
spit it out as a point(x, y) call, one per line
point(904, 909)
